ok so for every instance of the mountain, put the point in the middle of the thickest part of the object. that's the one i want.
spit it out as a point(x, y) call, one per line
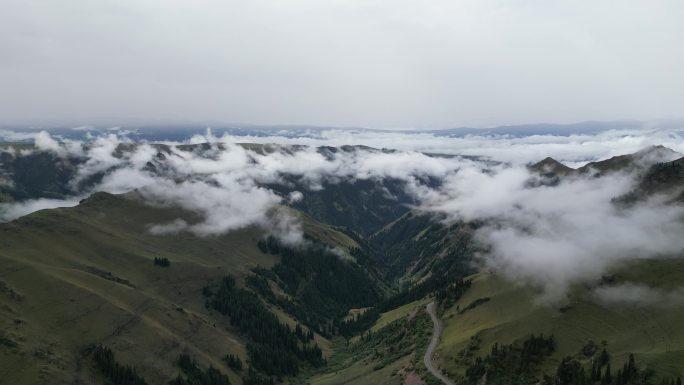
point(420, 245)
point(42, 174)
point(343, 304)
point(182, 132)
point(80, 276)
point(551, 166)
point(550, 172)
point(637, 161)
point(640, 161)
point(85, 275)
point(507, 313)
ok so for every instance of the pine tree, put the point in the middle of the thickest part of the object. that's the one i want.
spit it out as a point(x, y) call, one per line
point(607, 378)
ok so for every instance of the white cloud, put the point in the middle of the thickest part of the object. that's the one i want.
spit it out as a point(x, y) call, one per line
point(552, 237)
point(547, 236)
point(227, 206)
point(632, 294)
point(44, 141)
point(284, 226)
point(11, 211)
point(295, 196)
point(173, 227)
point(100, 157)
point(379, 63)
point(574, 150)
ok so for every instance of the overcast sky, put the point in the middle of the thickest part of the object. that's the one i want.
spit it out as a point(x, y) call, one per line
point(373, 63)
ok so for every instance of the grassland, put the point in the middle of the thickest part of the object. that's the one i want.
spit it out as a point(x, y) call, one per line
point(394, 350)
point(400, 312)
point(76, 276)
point(653, 332)
point(363, 373)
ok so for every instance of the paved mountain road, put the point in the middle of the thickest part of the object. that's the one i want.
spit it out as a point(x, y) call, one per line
point(436, 333)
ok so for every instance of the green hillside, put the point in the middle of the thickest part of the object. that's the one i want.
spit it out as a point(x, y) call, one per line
point(511, 313)
point(389, 353)
point(77, 276)
point(347, 307)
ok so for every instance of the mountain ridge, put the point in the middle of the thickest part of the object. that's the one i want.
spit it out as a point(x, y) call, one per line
point(95, 261)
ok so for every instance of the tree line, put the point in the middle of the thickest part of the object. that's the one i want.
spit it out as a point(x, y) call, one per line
point(322, 286)
point(511, 364)
point(234, 362)
point(162, 262)
point(272, 347)
point(571, 371)
point(446, 281)
point(113, 371)
point(518, 364)
point(448, 294)
point(194, 375)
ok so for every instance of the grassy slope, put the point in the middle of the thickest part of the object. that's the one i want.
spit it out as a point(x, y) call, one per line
point(58, 297)
point(346, 368)
point(398, 313)
point(363, 372)
point(326, 234)
point(655, 334)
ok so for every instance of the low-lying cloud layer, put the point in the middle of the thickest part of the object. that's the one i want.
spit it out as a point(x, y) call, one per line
point(555, 236)
point(574, 150)
point(16, 210)
point(631, 294)
point(550, 236)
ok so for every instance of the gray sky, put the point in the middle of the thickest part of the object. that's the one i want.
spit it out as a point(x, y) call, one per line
point(375, 63)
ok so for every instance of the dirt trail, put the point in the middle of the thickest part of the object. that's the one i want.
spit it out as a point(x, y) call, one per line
point(436, 333)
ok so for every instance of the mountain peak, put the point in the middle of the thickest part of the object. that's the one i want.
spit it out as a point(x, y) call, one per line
point(658, 153)
point(550, 165)
point(639, 160)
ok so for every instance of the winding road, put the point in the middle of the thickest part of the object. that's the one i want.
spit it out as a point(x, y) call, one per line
point(436, 333)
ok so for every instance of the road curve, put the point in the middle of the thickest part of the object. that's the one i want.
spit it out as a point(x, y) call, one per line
point(436, 333)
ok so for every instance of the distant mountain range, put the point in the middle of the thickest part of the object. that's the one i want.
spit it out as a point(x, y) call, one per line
point(181, 132)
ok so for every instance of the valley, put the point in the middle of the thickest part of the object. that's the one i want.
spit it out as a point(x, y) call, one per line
point(351, 192)
point(355, 283)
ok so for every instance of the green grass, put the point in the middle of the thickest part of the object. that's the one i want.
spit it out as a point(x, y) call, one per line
point(59, 293)
point(392, 351)
point(400, 312)
point(59, 270)
point(655, 334)
point(363, 373)
point(50, 258)
point(323, 232)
